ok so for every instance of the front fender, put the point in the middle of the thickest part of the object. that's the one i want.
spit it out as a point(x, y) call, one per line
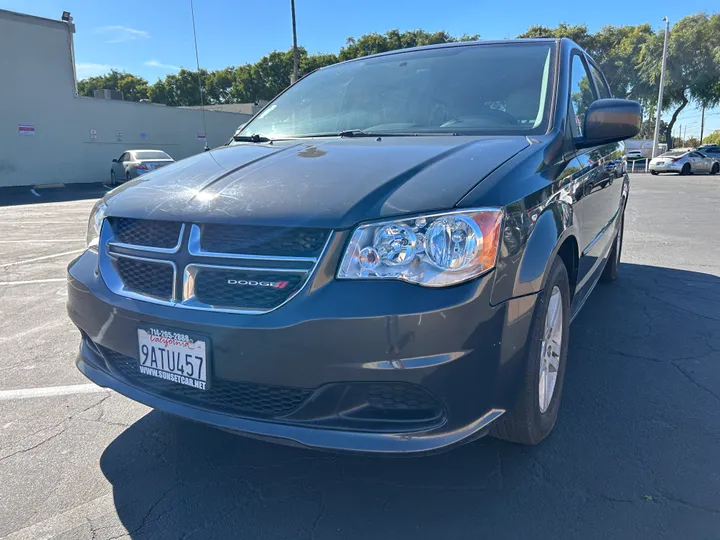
point(535, 241)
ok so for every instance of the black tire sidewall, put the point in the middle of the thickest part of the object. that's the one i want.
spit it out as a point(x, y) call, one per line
point(113, 180)
point(686, 169)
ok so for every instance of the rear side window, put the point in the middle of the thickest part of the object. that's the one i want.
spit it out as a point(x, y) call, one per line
point(582, 95)
point(151, 154)
point(602, 87)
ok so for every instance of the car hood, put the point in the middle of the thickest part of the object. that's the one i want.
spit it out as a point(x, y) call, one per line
point(323, 182)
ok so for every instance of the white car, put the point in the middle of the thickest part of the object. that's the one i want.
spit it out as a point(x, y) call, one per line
point(684, 161)
point(634, 154)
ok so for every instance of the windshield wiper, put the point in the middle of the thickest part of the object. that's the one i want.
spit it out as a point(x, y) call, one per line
point(251, 138)
point(357, 133)
point(363, 133)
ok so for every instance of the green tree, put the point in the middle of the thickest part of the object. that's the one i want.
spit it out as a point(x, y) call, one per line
point(181, 89)
point(394, 39)
point(578, 33)
point(133, 88)
point(693, 65)
point(614, 48)
point(713, 138)
point(647, 128)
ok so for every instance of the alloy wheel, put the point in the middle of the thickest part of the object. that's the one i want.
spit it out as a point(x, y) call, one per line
point(550, 350)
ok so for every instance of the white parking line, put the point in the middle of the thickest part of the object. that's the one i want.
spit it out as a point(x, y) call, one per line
point(33, 281)
point(44, 241)
point(6, 265)
point(34, 192)
point(50, 391)
point(68, 520)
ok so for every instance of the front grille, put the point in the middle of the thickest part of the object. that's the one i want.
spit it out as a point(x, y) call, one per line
point(154, 279)
point(262, 240)
point(215, 266)
point(400, 396)
point(245, 289)
point(250, 399)
point(146, 232)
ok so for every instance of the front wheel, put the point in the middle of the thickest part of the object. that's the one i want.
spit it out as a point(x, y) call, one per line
point(715, 168)
point(654, 173)
point(612, 266)
point(113, 180)
point(533, 417)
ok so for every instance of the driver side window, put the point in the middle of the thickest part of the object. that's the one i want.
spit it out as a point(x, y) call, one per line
point(582, 94)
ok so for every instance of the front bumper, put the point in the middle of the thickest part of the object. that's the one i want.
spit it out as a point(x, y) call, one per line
point(334, 340)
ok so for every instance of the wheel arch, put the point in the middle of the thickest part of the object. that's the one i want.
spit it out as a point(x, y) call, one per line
point(554, 232)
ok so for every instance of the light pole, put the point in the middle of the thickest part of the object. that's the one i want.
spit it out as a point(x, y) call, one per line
point(295, 51)
point(662, 86)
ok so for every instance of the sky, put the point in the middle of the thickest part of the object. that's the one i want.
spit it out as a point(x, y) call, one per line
point(152, 38)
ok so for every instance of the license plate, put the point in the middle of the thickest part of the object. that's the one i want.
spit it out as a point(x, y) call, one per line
point(173, 356)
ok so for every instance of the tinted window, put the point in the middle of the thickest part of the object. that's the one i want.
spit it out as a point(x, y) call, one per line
point(697, 154)
point(151, 154)
point(581, 95)
point(125, 157)
point(603, 89)
point(499, 89)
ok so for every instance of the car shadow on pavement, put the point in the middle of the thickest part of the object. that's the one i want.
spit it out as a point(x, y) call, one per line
point(28, 195)
point(634, 453)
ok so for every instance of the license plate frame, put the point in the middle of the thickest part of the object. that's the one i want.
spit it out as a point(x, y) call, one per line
point(193, 350)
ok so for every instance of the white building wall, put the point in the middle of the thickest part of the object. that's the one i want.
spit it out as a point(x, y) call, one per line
point(37, 88)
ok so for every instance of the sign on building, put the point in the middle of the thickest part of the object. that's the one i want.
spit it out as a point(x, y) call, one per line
point(26, 129)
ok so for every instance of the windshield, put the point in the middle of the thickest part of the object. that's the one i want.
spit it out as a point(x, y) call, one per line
point(478, 89)
point(151, 154)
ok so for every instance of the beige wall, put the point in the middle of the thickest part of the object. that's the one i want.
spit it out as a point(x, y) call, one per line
point(37, 87)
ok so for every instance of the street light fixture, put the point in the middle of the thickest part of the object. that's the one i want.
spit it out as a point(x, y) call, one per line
point(662, 86)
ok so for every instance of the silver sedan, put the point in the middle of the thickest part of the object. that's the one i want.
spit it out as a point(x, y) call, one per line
point(684, 161)
point(133, 163)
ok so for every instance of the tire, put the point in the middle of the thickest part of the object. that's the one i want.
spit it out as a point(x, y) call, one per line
point(686, 170)
point(715, 168)
point(654, 173)
point(113, 180)
point(612, 266)
point(127, 177)
point(527, 423)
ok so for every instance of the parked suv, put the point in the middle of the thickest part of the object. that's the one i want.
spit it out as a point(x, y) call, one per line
point(387, 258)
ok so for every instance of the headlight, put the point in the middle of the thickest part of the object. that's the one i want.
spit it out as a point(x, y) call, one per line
point(97, 215)
point(433, 250)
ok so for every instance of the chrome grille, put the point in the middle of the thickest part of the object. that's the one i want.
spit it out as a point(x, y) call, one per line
point(213, 267)
point(252, 289)
point(146, 232)
point(263, 241)
point(143, 276)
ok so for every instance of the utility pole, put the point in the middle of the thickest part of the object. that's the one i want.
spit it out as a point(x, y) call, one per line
point(662, 85)
point(295, 50)
point(702, 124)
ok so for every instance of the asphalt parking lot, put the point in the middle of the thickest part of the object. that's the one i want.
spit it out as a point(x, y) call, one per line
point(635, 453)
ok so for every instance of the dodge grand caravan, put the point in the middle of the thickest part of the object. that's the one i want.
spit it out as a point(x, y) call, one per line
point(386, 258)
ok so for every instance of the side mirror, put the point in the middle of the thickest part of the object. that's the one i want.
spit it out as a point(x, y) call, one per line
point(115, 160)
point(610, 120)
